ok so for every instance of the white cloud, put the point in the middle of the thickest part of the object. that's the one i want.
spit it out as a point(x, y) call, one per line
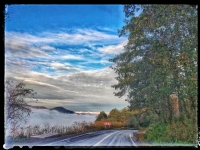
point(17, 65)
point(24, 45)
point(30, 81)
point(113, 49)
point(107, 29)
point(69, 56)
point(47, 47)
point(64, 67)
point(57, 65)
point(105, 61)
point(18, 48)
point(79, 36)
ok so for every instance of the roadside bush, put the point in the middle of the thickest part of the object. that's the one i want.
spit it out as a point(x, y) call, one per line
point(185, 132)
point(176, 132)
point(99, 125)
point(116, 124)
point(157, 133)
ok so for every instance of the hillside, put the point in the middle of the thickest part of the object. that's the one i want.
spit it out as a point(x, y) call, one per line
point(62, 110)
point(59, 109)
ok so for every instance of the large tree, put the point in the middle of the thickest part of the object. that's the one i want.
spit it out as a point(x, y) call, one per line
point(102, 115)
point(115, 115)
point(160, 57)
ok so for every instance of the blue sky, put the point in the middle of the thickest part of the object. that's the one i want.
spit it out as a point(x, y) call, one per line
point(62, 52)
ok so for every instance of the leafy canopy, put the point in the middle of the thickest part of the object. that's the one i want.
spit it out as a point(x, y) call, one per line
point(160, 57)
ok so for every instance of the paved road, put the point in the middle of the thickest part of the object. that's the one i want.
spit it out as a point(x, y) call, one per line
point(116, 138)
point(100, 138)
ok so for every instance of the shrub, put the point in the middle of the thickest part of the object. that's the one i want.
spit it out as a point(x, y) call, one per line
point(116, 124)
point(176, 132)
point(182, 131)
point(157, 133)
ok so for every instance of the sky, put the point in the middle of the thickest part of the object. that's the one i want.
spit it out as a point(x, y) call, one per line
point(62, 52)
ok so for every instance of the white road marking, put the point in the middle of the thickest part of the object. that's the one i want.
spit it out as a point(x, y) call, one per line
point(105, 138)
point(132, 140)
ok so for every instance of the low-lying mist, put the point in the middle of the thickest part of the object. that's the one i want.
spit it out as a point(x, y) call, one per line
point(53, 117)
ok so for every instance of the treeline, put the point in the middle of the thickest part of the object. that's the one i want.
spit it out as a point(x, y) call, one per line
point(158, 68)
point(126, 118)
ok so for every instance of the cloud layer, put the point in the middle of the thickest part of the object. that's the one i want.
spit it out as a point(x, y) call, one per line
point(82, 48)
point(85, 90)
point(69, 69)
point(42, 116)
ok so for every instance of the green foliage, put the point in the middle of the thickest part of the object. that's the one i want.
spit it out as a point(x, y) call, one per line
point(158, 53)
point(180, 131)
point(127, 118)
point(115, 115)
point(177, 132)
point(125, 113)
point(157, 132)
point(118, 118)
point(133, 121)
point(142, 119)
point(159, 59)
point(102, 115)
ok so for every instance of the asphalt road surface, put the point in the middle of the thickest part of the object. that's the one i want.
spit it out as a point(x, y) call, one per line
point(100, 138)
point(112, 138)
point(103, 138)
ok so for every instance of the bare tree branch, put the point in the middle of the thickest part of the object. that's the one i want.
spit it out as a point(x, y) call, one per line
point(17, 111)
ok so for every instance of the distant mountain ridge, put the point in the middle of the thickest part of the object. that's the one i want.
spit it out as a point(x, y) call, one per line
point(59, 109)
point(63, 110)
